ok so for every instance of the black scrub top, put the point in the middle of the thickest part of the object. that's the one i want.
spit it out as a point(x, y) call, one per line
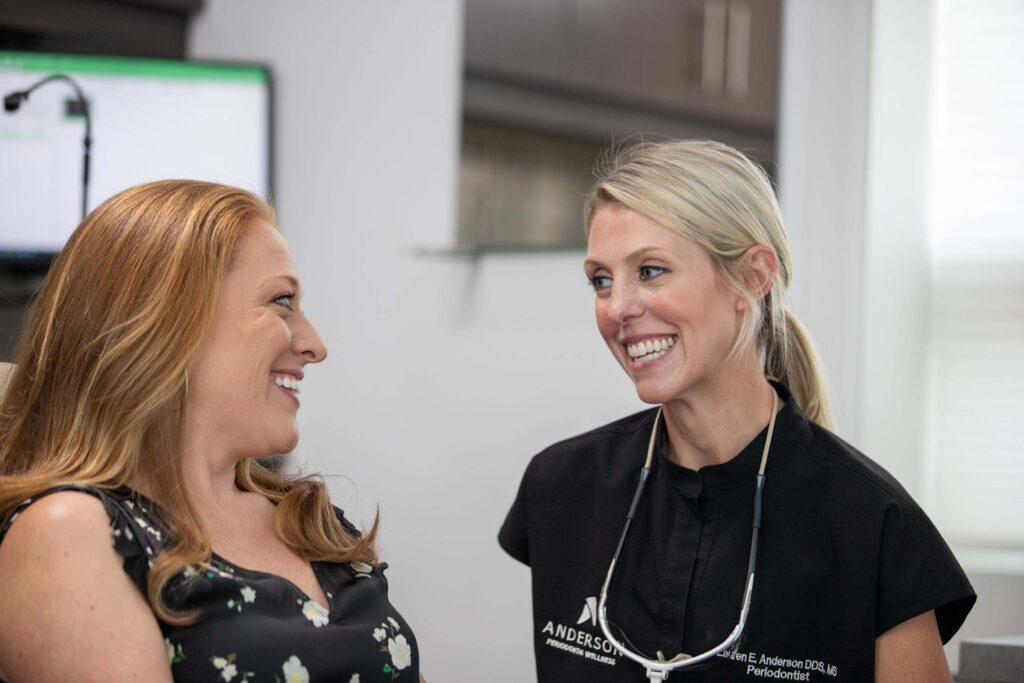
point(258, 627)
point(845, 554)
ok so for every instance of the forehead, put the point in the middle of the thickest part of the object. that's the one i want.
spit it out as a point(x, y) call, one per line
point(618, 232)
point(261, 248)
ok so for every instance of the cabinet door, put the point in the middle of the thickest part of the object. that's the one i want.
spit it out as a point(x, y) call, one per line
point(524, 39)
point(715, 60)
point(630, 50)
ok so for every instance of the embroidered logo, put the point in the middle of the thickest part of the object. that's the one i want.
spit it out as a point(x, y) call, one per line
point(580, 640)
point(589, 612)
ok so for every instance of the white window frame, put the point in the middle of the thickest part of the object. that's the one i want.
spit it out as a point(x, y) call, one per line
point(896, 288)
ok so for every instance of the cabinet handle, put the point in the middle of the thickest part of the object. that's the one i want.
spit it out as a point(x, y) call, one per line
point(737, 65)
point(712, 72)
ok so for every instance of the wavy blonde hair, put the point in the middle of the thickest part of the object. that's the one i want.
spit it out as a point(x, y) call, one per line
point(717, 197)
point(98, 390)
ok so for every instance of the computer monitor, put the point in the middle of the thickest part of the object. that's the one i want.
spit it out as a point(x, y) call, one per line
point(151, 119)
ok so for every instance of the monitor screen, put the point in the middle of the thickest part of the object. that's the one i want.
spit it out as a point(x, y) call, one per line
point(151, 119)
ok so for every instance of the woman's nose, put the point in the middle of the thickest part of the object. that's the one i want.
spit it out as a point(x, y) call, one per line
point(307, 343)
point(625, 304)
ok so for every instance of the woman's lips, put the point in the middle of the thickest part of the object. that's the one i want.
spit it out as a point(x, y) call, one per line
point(644, 351)
point(289, 384)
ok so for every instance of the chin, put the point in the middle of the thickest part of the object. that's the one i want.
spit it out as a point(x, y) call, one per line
point(284, 442)
point(653, 395)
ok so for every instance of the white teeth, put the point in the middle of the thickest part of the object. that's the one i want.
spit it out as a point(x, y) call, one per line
point(650, 349)
point(288, 382)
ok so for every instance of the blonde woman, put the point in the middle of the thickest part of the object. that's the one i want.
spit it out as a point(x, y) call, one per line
point(141, 538)
point(761, 546)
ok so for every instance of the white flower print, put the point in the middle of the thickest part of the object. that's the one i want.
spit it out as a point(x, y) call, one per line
point(226, 667)
point(175, 653)
point(315, 613)
point(144, 524)
point(248, 595)
point(190, 571)
point(361, 569)
point(397, 647)
point(401, 651)
point(215, 569)
point(294, 672)
point(221, 570)
point(354, 679)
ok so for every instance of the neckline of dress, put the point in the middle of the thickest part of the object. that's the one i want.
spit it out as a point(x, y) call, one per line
point(314, 565)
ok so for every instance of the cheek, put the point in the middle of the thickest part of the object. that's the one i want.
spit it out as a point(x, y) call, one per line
point(269, 337)
point(605, 325)
point(723, 323)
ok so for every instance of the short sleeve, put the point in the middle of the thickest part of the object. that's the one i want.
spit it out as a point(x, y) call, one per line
point(132, 533)
point(345, 524)
point(918, 573)
point(351, 528)
point(513, 537)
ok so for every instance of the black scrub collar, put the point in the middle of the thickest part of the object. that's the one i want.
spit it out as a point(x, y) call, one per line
point(742, 468)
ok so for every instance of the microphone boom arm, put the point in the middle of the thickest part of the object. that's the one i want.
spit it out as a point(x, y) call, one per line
point(13, 101)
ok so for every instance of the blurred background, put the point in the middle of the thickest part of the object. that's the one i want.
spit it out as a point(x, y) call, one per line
point(428, 163)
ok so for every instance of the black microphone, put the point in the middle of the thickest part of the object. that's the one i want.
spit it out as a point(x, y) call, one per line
point(12, 102)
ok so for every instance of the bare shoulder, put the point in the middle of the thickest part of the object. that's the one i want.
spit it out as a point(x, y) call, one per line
point(65, 513)
point(912, 651)
point(61, 525)
point(64, 583)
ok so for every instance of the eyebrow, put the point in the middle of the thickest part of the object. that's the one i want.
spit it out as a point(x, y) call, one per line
point(291, 280)
point(632, 256)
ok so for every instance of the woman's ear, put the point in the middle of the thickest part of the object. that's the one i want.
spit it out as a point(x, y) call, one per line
point(761, 267)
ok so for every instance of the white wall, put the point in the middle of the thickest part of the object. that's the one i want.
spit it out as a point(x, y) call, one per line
point(445, 375)
point(822, 135)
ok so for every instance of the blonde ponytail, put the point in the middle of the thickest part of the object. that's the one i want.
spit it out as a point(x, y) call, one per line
point(790, 358)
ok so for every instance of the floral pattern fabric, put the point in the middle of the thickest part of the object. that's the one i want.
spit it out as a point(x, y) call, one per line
point(258, 627)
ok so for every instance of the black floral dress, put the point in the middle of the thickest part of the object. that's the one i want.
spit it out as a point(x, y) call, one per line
point(258, 627)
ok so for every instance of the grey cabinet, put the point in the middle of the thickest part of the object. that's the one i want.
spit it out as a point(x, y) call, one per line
point(708, 60)
point(549, 82)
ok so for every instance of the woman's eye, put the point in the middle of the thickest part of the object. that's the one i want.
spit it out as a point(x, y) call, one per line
point(651, 272)
point(285, 300)
point(599, 282)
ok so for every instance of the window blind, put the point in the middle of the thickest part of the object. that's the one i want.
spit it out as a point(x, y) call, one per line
point(975, 391)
